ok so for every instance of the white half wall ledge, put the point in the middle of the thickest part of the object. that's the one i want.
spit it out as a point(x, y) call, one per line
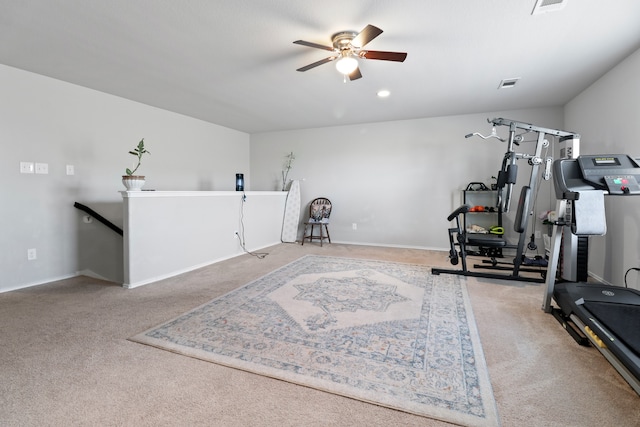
point(161, 194)
point(167, 233)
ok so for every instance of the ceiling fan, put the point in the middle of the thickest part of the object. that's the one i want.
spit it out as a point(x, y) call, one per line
point(348, 47)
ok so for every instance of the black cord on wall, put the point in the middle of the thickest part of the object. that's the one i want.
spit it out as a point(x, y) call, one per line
point(240, 236)
point(625, 275)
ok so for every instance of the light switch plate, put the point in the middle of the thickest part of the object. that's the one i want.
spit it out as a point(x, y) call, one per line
point(42, 168)
point(26, 167)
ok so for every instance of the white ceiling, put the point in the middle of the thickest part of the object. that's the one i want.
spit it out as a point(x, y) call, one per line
point(234, 63)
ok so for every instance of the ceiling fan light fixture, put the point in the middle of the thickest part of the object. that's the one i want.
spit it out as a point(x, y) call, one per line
point(347, 65)
point(346, 51)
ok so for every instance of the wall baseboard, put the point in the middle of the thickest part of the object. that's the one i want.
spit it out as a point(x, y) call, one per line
point(379, 245)
point(38, 283)
point(191, 268)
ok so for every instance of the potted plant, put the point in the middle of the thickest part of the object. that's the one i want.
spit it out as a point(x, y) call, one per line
point(135, 182)
point(288, 164)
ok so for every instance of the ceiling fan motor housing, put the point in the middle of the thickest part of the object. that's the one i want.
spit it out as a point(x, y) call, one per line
point(342, 40)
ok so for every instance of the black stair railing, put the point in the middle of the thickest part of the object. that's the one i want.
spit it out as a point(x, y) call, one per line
point(99, 217)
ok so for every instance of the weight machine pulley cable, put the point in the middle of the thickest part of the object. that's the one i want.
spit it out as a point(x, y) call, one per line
point(532, 245)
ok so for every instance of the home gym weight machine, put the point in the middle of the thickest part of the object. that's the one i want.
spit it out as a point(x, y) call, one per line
point(459, 239)
point(604, 315)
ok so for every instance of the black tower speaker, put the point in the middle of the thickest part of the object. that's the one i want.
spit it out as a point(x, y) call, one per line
point(239, 182)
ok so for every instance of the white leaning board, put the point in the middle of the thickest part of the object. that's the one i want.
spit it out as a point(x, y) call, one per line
point(291, 214)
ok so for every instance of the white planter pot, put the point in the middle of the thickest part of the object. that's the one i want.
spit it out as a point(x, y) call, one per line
point(133, 182)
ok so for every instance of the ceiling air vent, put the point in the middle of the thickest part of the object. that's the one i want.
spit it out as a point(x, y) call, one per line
point(543, 6)
point(508, 83)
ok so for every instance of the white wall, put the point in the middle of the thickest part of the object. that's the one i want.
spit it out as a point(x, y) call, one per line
point(194, 229)
point(49, 121)
point(606, 115)
point(398, 181)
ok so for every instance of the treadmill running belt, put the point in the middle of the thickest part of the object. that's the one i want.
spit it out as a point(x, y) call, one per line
point(621, 319)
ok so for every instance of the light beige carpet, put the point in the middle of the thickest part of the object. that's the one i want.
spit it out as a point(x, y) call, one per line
point(65, 358)
point(386, 333)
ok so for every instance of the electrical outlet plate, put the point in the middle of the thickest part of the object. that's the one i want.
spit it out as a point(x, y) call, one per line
point(32, 254)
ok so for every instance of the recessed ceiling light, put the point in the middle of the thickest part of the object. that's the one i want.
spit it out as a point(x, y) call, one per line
point(383, 93)
point(508, 83)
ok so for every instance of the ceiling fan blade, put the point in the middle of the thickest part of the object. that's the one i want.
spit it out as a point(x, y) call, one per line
point(355, 74)
point(315, 64)
point(385, 56)
point(366, 35)
point(316, 45)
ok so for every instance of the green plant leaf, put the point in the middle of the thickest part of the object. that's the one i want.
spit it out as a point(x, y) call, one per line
point(138, 152)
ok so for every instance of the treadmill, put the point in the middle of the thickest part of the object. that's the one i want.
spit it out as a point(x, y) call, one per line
point(605, 316)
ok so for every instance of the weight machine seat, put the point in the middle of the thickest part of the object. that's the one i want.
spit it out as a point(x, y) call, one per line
point(486, 240)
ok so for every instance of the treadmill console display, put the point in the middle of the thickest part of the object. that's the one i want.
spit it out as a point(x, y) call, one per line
point(605, 161)
point(618, 174)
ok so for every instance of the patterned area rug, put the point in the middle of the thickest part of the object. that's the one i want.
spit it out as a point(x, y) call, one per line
point(386, 333)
